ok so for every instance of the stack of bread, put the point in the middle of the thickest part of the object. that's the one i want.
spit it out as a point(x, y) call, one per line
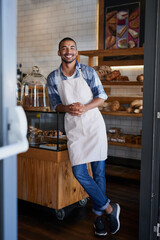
point(136, 106)
point(110, 106)
point(36, 136)
point(105, 73)
point(114, 134)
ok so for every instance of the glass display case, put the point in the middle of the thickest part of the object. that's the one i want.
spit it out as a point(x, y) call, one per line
point(34, 90)
point(46, 130)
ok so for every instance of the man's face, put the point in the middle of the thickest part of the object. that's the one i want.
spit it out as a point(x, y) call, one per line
point(68, 51)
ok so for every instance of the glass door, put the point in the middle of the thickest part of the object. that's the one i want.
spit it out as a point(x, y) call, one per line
point(150, 164)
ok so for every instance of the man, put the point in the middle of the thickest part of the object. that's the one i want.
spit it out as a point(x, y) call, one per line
point(76, 90)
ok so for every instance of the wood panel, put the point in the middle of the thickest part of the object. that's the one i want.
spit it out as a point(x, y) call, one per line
point(45, 177)
point(122, 113)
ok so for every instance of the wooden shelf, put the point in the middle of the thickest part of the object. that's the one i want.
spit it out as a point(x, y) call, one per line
point(128, 145)
point(113, 52)
point(122, 113)
point(119, 55)
point(124, 100)
point(37, 109)
point(127, 83)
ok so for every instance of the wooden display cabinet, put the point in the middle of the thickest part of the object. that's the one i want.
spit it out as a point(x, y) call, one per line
point(45, 177)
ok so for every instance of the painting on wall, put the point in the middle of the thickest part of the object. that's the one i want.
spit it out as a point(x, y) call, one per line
point(122, 26)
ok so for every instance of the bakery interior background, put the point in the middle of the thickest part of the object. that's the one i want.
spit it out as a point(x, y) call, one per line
point(42, 24)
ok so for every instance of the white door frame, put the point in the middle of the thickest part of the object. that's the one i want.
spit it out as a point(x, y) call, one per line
point(8, 166)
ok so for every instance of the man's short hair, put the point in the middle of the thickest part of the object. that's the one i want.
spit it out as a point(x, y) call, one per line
point(67, 39)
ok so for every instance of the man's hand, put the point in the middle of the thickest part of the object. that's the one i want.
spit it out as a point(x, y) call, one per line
point(76, 109)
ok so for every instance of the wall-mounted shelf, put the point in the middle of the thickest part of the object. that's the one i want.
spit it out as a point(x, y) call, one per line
point(128, 145)
point(122, 113)
point(118, 83)
point(124, 100)
point(127, 56)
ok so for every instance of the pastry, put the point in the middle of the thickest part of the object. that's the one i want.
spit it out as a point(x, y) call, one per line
point(122, 78)
point(113, 75)
point(122, 43)
point(121, 31)
point(110, 41)
point(110, 15)
point(136, 103)
point(140, 78)
point(112, 28)
point(133, 33)
point(105, 68)
point(133, 15)
point(114, 106)
point(134, 24)
point(131, 44)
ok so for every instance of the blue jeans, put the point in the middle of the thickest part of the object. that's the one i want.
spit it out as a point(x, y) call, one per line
point(96, 186)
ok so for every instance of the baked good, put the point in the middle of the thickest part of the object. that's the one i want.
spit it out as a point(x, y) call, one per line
point(114, 130)
point(140, 78)
point(133, 33)
point(96, 68)
point(110, 14)
point(121, 138)
point(134, 24)
point(112, 27)
point(136, 103)
point(114, 106)
point(123, 43)
point(105, 68)
point(121, 31)
point(110, 41)
point(101, 73)
point(133, 15)
point(131, 44)
point(122, 78)
point(122, 108)
point(113, 75)
point(112, 19)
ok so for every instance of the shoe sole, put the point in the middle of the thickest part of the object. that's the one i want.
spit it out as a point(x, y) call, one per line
point(117, 216)
point(99, 234)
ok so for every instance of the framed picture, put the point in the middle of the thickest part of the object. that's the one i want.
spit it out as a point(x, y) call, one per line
point(127, 29)
point(122, 26)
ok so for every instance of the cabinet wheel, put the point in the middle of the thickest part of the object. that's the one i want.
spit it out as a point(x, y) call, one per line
point(60, 214)
point(83, 202)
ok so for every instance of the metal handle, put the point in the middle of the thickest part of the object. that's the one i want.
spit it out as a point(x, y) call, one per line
point(17, 131)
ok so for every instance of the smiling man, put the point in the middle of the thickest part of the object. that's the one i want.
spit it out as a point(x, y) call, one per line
point(77, 90)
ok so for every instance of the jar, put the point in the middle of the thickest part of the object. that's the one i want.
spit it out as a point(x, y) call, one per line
point(34, 90)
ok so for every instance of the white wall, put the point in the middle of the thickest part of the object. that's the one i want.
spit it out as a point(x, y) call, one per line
point(43, 23)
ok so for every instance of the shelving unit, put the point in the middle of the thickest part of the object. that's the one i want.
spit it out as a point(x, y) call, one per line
point(118, 56)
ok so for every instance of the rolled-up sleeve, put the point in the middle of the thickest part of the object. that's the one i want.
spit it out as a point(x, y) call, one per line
point(94, 83)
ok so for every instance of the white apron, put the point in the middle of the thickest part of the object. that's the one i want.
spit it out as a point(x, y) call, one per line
point(87, 139)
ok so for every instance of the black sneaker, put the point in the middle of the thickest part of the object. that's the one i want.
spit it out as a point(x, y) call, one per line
point(113, 218)
point(99, 226)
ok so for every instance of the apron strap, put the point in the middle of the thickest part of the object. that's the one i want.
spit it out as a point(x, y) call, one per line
point(80, 72)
